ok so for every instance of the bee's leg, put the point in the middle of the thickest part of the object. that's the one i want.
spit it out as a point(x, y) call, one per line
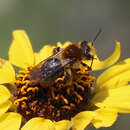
point(68, 75)
point(56, 50)
point(85, 65)
point(69, 80)
point(92, 61)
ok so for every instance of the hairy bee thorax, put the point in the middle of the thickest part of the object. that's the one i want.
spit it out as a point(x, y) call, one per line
point(61, 100)
point(72, 51)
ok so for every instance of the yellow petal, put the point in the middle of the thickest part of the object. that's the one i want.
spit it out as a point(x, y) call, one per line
point(21, 52)
point(37, 58)
point(82, 120)
point(4, 107)
point(10, 121)
point(63, 125)
point(117, 81)
point(59, 44)
point(104, 117)
point(7, 74)
point(97, 64)
point(116, 98)
point(4, 94)
point(38, 124)
point(114, 75)
point(44, 53)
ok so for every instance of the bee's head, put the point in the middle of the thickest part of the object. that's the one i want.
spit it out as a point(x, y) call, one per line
point(88, 50)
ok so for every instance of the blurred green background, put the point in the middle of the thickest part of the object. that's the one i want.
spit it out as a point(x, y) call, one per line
point(49, 21)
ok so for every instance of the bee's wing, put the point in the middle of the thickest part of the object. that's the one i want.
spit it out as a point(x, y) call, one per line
point(50, 68)
point(54, 71)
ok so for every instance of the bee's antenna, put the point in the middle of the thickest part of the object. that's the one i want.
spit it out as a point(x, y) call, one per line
point(98, 33)
point(95, 38)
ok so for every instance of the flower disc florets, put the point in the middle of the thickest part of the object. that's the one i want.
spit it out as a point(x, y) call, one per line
point(60, 101)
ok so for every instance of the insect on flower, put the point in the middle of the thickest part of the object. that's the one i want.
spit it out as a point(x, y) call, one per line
point(62, 61)
point(56, 84)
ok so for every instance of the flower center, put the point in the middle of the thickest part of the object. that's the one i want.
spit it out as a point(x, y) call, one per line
point(62, 100)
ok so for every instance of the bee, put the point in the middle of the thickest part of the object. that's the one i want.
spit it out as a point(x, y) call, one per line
point(47, 71)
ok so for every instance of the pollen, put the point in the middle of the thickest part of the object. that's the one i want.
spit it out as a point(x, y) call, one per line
point(59, 101)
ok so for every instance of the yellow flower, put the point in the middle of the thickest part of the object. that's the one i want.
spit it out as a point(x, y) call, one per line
point(110, 96)
point(4, 93)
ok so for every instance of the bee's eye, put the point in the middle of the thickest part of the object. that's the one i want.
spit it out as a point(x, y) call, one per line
point(85, 49)
point(84, 43)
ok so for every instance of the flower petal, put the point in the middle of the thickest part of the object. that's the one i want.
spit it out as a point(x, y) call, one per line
point(4, 94)
point(67, 43)
point(82, 120)
point(10, 121)
point(115, 75)
point(38, 124)
point(37, 58)
point(116, 98)
point(44, 53)
point(7, 73)
point(4, 107)
point(21, 52)
point(97, 64)
point(104, 117)
point(63, 125)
